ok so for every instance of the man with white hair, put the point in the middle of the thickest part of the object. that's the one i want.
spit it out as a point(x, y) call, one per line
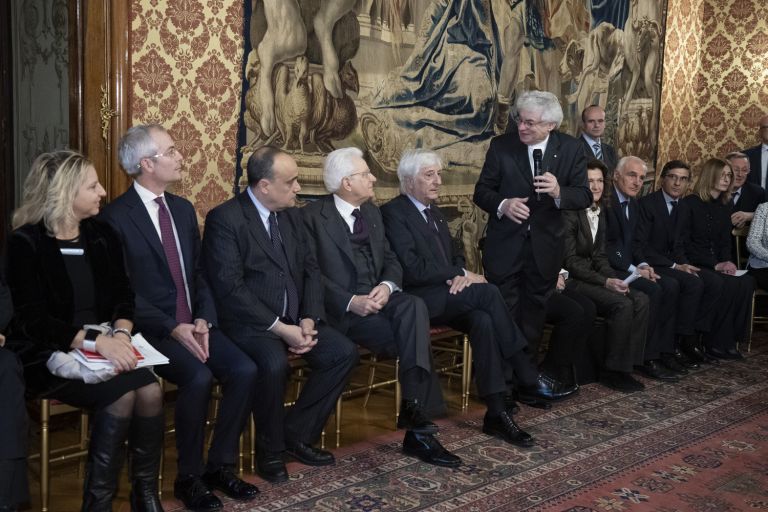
point(528, 178)
point(434, 269)
point(363, 298)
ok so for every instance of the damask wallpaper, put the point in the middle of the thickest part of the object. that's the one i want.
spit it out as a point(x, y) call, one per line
point(186, 65)
point(715, 74)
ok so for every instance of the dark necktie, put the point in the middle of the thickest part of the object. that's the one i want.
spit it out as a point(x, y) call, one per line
point(598, 150)
point(736, 196)
point(625, 208)
point(359, 228)
point(183, 314)
point(291, 293)
point(672, 206)
point(432, 224)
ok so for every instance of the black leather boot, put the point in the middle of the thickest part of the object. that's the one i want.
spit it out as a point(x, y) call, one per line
point(106, 452)
point(145, 445)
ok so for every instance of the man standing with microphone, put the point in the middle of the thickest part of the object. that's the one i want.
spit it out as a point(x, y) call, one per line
point(527, 179)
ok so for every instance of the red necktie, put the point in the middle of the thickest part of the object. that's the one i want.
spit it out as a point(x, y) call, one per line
point(183, 314)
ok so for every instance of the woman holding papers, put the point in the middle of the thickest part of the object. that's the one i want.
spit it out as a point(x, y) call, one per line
point(705, 219)
point(65, 270)
point(625, 310)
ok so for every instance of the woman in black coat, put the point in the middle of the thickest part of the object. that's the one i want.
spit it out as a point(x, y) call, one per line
point(705, 220)
point(65, 270)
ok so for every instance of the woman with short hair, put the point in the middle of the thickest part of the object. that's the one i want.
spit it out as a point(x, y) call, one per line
point(65, 270)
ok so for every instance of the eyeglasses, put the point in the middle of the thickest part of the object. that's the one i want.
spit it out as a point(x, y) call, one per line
point(675, 177)
point(364, 174)
point(170, 153)
point(526, 122)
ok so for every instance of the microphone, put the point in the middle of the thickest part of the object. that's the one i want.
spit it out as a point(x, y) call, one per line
point(537, 168)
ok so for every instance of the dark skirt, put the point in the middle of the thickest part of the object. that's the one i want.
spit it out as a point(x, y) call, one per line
point(97, 396)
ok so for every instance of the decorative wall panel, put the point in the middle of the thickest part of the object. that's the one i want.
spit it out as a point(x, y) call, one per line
point(715, 74)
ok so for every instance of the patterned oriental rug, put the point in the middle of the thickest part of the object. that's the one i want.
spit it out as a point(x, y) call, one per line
point(698, 445)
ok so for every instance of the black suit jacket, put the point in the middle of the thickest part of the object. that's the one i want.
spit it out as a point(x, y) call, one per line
point(620, 232)
point(245, 272)
point(329, 239)
point(755, 166)
point(44, 298)
point(585, 259)
point(610, 158)
point(705, 231)
point(424, 269)
point(657, 238)
point(148, 267)
point(507, 173)
point(750, 197)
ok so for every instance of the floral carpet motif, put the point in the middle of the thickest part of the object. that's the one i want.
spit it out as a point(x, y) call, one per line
point(698, 445)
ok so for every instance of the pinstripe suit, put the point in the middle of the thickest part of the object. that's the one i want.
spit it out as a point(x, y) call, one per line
point(248, 284)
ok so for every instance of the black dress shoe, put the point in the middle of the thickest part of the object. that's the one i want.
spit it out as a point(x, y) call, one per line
point(685, 361)
point(412, 418)
point(653, 369)
point(620, 381)
point(195, 495)
point(547, 388)
point(729, 354)
point(670, 363)
point(427, 448)
point(225, 480)
point(309, 455)
point(270, 467)
point(503, 426)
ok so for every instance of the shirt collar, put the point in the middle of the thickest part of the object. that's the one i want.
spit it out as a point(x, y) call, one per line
point(590, 140)
point(146, 195)
point(621, 197)
point(344, 208)
point(418, 204)
point(263, 211)
point(667, 197)
point(539, 145)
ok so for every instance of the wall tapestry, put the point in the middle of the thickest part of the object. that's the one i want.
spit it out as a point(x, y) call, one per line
point(387, 75)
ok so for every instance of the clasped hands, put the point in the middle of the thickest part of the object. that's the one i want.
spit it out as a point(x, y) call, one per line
point(299, 338)
point(516, 209)
point(364, 305)
point(194, 337)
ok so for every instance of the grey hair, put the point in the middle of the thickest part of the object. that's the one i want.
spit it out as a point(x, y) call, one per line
point(541, 101)
point(625, 160)
point(736, 155)
point(137, 143)
point(338, 165)
point(413, 161)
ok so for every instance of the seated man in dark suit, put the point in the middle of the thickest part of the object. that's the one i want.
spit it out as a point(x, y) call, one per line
point(270, 297)
point(176, 314)
point(14, 489)
point(362, 295)
point(657, 242)
point(745, 195)
point(623, 216)
point(433, 269)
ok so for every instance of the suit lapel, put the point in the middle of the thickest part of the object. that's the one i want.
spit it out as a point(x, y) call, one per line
point(140, 218)
point(551, 154)
point(520, 158)
point(336, 228)
point(256, 227)
point(584, 226)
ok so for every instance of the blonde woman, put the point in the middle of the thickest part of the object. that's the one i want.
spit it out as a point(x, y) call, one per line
point(705, 221)
point(65, 270)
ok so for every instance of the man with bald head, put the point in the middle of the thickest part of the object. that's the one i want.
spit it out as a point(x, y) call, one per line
point(758, 155)
point(592, 129)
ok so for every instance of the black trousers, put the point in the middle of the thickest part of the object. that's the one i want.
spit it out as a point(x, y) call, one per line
point(14, 488)
point(626, 323)
point(526, 291)
point(194, 379)
point(690, 311)
point(330, 363)
point(480, 311)
point(662, 317)
point(401, 329)
point(732, 312)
